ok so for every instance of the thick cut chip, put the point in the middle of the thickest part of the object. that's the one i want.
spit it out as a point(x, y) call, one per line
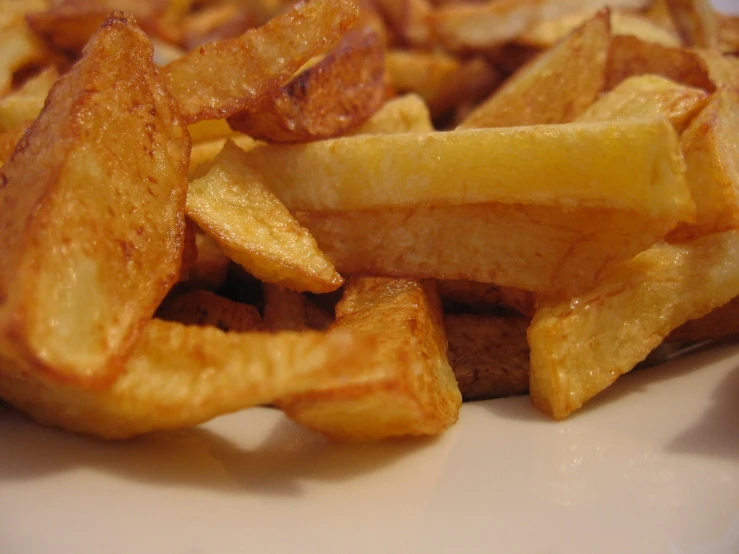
point(328, 99)
point(8, 141)
point(488, 354)
point(580, 346)
point(408, 19)
point(537, 248)
point(216, 22)
point(406, 388)
point(718, 324)
point(22, 106)
point(93, 211)
point(20, 47)
point(179, 376)
point(201, 307)
point(631, 56)
point(712, 157)
point(203, 153)
point(556, 86)
point(649, 96)
point(225, 77)
point(232, 204)
point(475, 297)
point(443, 81)
point(631, 165)
point(209, 269)
point(403, 114)
point(696, 21)
point(210, 130)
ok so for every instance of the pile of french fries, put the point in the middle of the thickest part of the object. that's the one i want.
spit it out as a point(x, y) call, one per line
point(360, 213)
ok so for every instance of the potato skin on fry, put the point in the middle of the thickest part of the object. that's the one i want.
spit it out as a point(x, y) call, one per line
point(93, 205)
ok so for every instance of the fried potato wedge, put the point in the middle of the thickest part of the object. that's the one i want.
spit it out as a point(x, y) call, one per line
point(203, 153)
point(232, 75)
point(556, 86)
point(232, 204)
point(696, 21)
point(721, 323)
point(406, 388)
point(442, 80)
point(179, 376)
point(209, 269)
point(328, 99)
point(93, 212)
point(23, 105)
point(631, 56)
point(202, 307)
point(488, 354)
point(20, 48)
point(404, 114)
point(580, 346)
point(537, 248)
point(547, 32)
point(712, 156)
point(209, 130)
point(69, 24)
point(558, 165)
point(649, 96)
point(408, 19)
point(8, 140)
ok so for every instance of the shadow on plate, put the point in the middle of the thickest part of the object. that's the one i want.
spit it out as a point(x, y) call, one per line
point(200, 457)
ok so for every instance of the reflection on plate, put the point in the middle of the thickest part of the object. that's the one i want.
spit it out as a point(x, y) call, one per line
point(651, 466)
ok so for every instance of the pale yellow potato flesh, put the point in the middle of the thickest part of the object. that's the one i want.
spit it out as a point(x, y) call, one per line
point(555, 87)
point(696, 21)
point(624, 165)
point(404, 114)
point(203, 153)
point(178, 376)
point(20, 47)
point(93, 221)
point(407, 388)
point(23, 105)
point(649, 96)
point(232, 204)
point(581, 345)
point(537, 248)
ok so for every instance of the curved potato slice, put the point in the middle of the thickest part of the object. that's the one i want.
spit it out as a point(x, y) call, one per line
point(328, 99)
point(178, 376)
point(93, 205)
point(222, 78)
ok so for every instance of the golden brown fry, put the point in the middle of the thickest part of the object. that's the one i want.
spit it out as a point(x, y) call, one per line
point(179, 376)
point(210, 130)
point(556, 86)
point(580, 346)
point(631, 56)
point(408, 19)
point(232, 204)
point(201, 307)
point(696, 21)
point(328, 99)
point(93, 212)
point(232, 75)
point(649, 96)
point(406, 388)
point(728, 33)
point(712, 157)
point(209, 269)
point(20, 48)
point(537, 248)
point(552, 165)
point(403, 114)
point(721, 323)
point(217, 22)
point(8, 141)
point(488, 354)
point(23, 105)
point(284, 309)
point(203, 153)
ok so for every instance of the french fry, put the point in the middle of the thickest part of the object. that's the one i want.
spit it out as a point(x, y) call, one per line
point(721, 323)
point(696, 21)
point(23, 105)
point(535, 248)
point(210, 130)
point(403, 114)
point(406, 388)
point(232, 75)
point(556, 86)
point(217, 22)
point(581, 345)
point(93, 212)
point(488, 354)
point(8, 141)
point(284, 309)
point(649, 96)
point(408, 18)
point(209, 269)
point(328, 99)
point(232, 205)
point(20, 48)
point(406, 170)
point(201, 307)
point(179, 376)
point(712, 158)
point(203, 153)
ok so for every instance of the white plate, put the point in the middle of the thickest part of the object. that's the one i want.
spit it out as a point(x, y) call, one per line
point(652, 466)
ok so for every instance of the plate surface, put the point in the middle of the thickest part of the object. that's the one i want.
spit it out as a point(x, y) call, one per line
point(651, 466)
